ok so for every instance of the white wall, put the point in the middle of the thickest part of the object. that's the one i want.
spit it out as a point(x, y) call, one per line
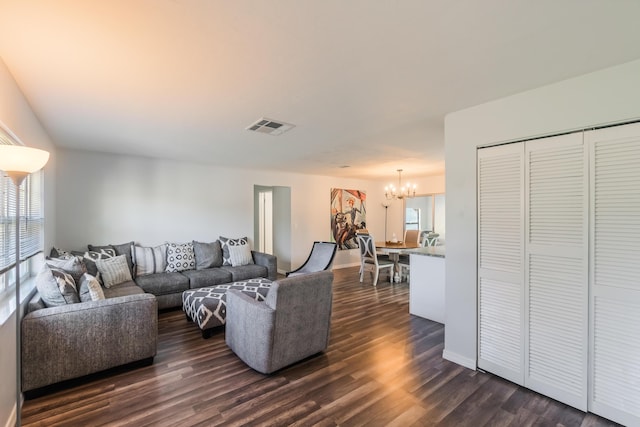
point(395, 222)
point(16, 114)
point(282, 227)
point(106, 198)
point(607, 96)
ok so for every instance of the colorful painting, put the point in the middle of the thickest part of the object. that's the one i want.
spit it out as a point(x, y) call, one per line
point(348, 214)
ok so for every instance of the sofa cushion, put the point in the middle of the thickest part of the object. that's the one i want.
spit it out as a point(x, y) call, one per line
point(180, 257)
point(208, 255)
point(208, 277)
point(114, 270)
point(225, 242)
point(89, 288)
point(163, 283)
point(149, 260)
point(246, 272)
point(56, 287)
point(122, 290)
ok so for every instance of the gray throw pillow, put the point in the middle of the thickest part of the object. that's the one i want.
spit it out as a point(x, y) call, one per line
point(208, 255)
point(73, 265)
point(56, 287)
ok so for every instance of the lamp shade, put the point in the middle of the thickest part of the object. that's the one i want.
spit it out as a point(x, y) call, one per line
point(18, 158)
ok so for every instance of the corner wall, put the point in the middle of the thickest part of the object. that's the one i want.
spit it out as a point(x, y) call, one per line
point(607, 96)
point(16, 114)
point(107, 198)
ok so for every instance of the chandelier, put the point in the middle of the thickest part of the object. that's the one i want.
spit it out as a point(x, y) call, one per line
point(408, 190)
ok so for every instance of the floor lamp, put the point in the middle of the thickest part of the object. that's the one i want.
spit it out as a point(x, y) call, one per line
point(18, 161)
point(386, 205)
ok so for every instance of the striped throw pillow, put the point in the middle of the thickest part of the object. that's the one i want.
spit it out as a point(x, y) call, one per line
point(114, 270)
point(150, 260)
point(240, 255)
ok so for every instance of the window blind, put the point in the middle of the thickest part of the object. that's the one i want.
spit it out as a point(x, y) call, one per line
point(31, 218)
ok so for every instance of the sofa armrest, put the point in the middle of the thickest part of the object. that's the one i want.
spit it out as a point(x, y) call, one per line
point(267, 260)
point(60, 343)
point(249, 328)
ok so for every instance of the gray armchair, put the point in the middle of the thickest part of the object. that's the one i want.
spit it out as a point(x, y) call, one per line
point(320, 258)
point(290, 325)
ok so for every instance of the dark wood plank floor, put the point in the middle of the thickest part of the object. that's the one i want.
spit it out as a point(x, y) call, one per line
point(383, 368)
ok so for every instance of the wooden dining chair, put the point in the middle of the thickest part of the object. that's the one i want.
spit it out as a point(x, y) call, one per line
point(369, 260)
point(412, 236)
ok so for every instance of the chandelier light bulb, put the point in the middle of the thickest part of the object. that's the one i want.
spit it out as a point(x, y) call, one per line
point(408, 190)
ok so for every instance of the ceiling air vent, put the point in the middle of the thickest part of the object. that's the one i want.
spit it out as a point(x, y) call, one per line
point(270, 127)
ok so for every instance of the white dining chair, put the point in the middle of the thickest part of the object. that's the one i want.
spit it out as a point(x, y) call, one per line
point(369, 259)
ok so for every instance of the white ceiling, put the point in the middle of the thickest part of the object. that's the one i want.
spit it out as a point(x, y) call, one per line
point(366, 82)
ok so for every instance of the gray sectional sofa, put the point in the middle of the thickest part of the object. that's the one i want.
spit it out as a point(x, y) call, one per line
point(168, 287)
point(72, 340)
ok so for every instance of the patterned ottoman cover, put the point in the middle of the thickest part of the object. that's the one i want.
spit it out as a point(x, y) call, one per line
point(207, 306)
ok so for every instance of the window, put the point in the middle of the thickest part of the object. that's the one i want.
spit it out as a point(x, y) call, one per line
point(412, 219)
point(31, 223)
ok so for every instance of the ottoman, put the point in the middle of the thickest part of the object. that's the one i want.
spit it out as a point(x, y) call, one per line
point(207, 307)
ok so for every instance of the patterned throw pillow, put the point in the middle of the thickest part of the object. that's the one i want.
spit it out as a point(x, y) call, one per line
point(72, 265)
point(180, 257)
point(149, 260)
point(60, 253)
point(56, 287)
point(121, 249)
point(90, 257)
point(89, 288)
point(114, 270)
point(240, 255)
point(226, 242)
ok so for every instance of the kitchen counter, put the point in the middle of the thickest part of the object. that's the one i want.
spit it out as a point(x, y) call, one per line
point(437, 251)
point(426, 284)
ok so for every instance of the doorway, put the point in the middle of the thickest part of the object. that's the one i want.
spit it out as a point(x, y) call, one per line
point(272, 223)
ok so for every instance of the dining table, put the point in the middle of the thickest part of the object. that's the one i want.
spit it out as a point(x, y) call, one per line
point(394, 249)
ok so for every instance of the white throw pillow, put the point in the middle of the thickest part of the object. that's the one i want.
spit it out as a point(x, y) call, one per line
point(90, 289)
point(150, 260)
point(180, 257)
point(240, 255)
point(114, 270)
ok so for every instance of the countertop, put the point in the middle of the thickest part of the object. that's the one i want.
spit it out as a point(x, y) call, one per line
point(435, 251)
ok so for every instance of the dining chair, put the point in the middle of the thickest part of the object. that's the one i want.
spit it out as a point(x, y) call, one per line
point(430, 239)
point(369, 259)
point(412, 236)
point(404, 269)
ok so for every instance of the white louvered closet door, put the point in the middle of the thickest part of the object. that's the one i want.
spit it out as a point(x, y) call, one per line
point(615, 274)
point(556, 268)
point(500, 260)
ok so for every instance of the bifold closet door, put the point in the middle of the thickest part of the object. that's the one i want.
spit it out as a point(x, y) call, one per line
point(615, 274)
point(556, 268)
point(500, 260)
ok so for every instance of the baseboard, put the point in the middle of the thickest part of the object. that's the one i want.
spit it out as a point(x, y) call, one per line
point(460, 360)
point(11, 422)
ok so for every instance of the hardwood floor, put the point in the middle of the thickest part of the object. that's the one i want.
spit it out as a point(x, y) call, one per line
point(383, 367)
